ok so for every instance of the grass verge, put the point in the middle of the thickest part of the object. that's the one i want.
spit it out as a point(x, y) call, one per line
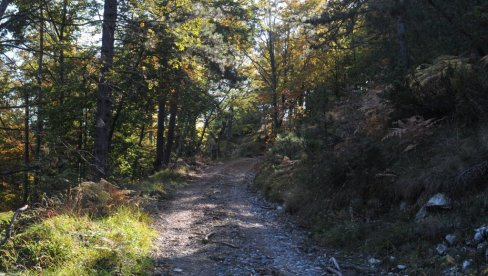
point(119, 243)
point(164, 183)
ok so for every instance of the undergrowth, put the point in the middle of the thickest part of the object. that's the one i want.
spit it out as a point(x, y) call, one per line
point(119, 243)
point(359, 182)
point(163, 183)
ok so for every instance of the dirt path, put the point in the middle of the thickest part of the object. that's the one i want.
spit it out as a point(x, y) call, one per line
point(216, 226)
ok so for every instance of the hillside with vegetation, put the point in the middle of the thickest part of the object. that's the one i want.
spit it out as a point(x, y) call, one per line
point(368, 118)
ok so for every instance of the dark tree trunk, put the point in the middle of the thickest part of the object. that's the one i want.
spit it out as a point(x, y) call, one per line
point(173, 109)
point(158, 163)
point(40, 124)
point(402, 43)
point(26, 146)
point(61, 53)
point(274, 82)
point(204, 130)
point(115, 119)
point(3, 7)
point(135, 164)
point(104, 97)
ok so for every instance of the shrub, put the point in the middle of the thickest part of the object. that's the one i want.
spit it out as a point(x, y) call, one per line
point(289, 145)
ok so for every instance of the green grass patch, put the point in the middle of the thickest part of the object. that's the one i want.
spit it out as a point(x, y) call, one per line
point(6, 216)
point(165, 182)
point(119, 243)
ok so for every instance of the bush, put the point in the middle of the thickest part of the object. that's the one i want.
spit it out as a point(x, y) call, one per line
point(71, 245)
point(289, 145)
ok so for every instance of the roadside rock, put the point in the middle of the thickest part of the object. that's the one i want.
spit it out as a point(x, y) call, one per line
point(441, 249)
point(451, 239)
point(374, 261)
point(401, 267)
point(437, 202)
point(481, 233)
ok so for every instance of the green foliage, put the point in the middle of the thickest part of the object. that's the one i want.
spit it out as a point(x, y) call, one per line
point(70, 245)
point(164, 183)
point(289, 145)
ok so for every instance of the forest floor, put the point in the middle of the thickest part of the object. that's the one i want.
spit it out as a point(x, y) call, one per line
point(217, 226)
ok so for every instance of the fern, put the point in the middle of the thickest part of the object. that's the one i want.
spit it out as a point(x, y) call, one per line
point(395, 132)
point(413, 127)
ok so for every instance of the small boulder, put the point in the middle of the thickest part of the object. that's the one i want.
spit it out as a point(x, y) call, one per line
point(374, 261)
point(480, 234)
point(437, 202)
point(441, 249)
point(401, 267)
point(451, 239)
point(467, 264)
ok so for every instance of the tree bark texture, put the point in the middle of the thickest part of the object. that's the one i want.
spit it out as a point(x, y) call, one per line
point(173, 109)
point(104, 96)
point(158, 163)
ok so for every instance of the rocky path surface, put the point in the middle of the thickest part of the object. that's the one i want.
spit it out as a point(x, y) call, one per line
point(216, 226)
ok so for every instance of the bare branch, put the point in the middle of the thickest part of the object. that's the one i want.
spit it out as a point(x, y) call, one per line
point(8, 234)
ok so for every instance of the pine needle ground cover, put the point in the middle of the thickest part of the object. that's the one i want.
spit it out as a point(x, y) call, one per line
point(119, 243)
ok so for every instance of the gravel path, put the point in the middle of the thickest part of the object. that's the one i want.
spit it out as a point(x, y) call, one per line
point(216, 226)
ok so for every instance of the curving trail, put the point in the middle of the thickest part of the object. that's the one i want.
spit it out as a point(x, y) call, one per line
point(216, 226)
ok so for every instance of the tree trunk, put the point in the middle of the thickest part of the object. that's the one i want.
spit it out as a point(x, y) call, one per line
point(26, 146)
point(61, 53)
point(173, 109)
point(135, 164)
point(115, 119)
point(158, 163)
point(40, 124)
point(3, 7)
point(104, 97)
point(402, 43)
point(204, 130)
point(274, 82)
